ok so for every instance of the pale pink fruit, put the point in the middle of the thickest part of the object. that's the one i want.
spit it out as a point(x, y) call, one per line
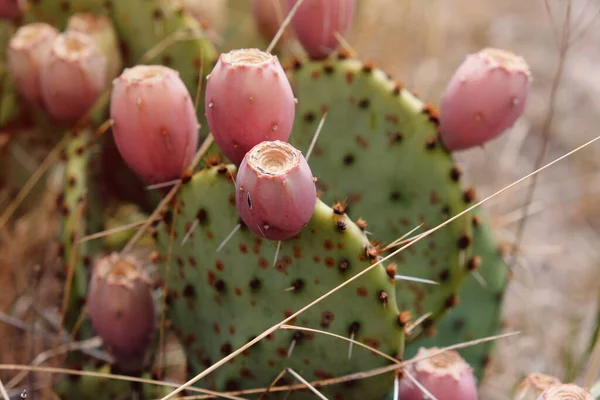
point(486, 96)
point(27, 50)
point(317, 22)
point(566, 392)
point(446, 375)
point(12, 8)
point(101, 29)
point(73, 76)
point(276, 193)
point(268, 16)
point(248, 100)
point(154, 122)
point(122, 309)
point(533, 385)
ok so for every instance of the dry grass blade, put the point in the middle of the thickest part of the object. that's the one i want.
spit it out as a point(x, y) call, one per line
point(46, 355)
point(366, 270)
point(203, 149)
point(421, 387)
point(284, 25)
point(374, 350)
point(66, 371)
point(315, 137)
point(3, 391)
point(308, 385)
point(277, 378)
point(112, 231)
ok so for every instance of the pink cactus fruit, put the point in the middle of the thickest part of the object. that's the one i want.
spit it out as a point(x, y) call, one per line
point(248, 100)
point(11, 9)
point(268, 16)
point(72, 76)
point(317, 22)
point(154, 122)
point(27, 50)
point(445, 375)
point(486, 96)
point(534, 385)
point(121, 308)
point(101, 29)
point(566, 392)
point(276, 192)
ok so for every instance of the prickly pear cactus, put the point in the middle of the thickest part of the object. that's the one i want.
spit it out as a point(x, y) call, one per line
point(478, 314)
point(237, 293)
point(379, 152)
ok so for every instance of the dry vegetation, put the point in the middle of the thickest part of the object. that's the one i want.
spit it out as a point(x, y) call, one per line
point(553, 296)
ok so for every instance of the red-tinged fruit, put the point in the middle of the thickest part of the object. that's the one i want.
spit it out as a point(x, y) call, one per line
point(534, 385)
point(101, 29)
point(27, 50)
point(445, 375)
point(73, 76)
point(317, 24)
point(248, 100)
point(121, 308)
point(485, 97)
point(268, 16)
point(276, 192)
point(154, 122)
point(11, 9)
point(566, 392)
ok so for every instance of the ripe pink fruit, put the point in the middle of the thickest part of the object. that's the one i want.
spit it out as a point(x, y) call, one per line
point(566, 391)
point(316, 23)
point(72, 76)
point(101, 29)
point(276, 193)
point(11, 8)
point(27, 50)
point(447, 376)
point(248, 100)
point(486, 95)
point(534, 385)
point(268, 16)
point(154, 122)
point(121, 308)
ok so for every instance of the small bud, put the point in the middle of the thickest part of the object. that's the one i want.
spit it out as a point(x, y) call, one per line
point(154, 122)
point(248, 100)
point(101, 29)
point(27, 50)
point(446, 376)
point(534, 385)
point(484, 97)
point(566, 392)
point(208, 13)
point(72, 76)
point(317, 22)
point(122, 309)
point(276, 194)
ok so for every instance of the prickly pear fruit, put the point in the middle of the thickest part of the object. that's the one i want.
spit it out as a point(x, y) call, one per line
point(72, 76)
point(101, 29)
point(268, 16)
point(154, 122)
point(484, 97)
point(566, 391)
point(248, 100)
point(445, 375)
point(121, 308)
point(27, 49)
point(534, 385)
point(11, 8)
point(317, 22)
point(275, 190)
point(208, 13)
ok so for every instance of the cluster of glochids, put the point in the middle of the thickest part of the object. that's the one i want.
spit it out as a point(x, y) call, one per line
point(250, 108)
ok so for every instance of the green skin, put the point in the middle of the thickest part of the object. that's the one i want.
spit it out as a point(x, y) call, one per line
point(479, 313)
point(378, 151)
point(237, 293)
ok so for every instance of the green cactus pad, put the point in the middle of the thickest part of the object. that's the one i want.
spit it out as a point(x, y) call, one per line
point(218, 301)
point(379, 151)
point(479, 312)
